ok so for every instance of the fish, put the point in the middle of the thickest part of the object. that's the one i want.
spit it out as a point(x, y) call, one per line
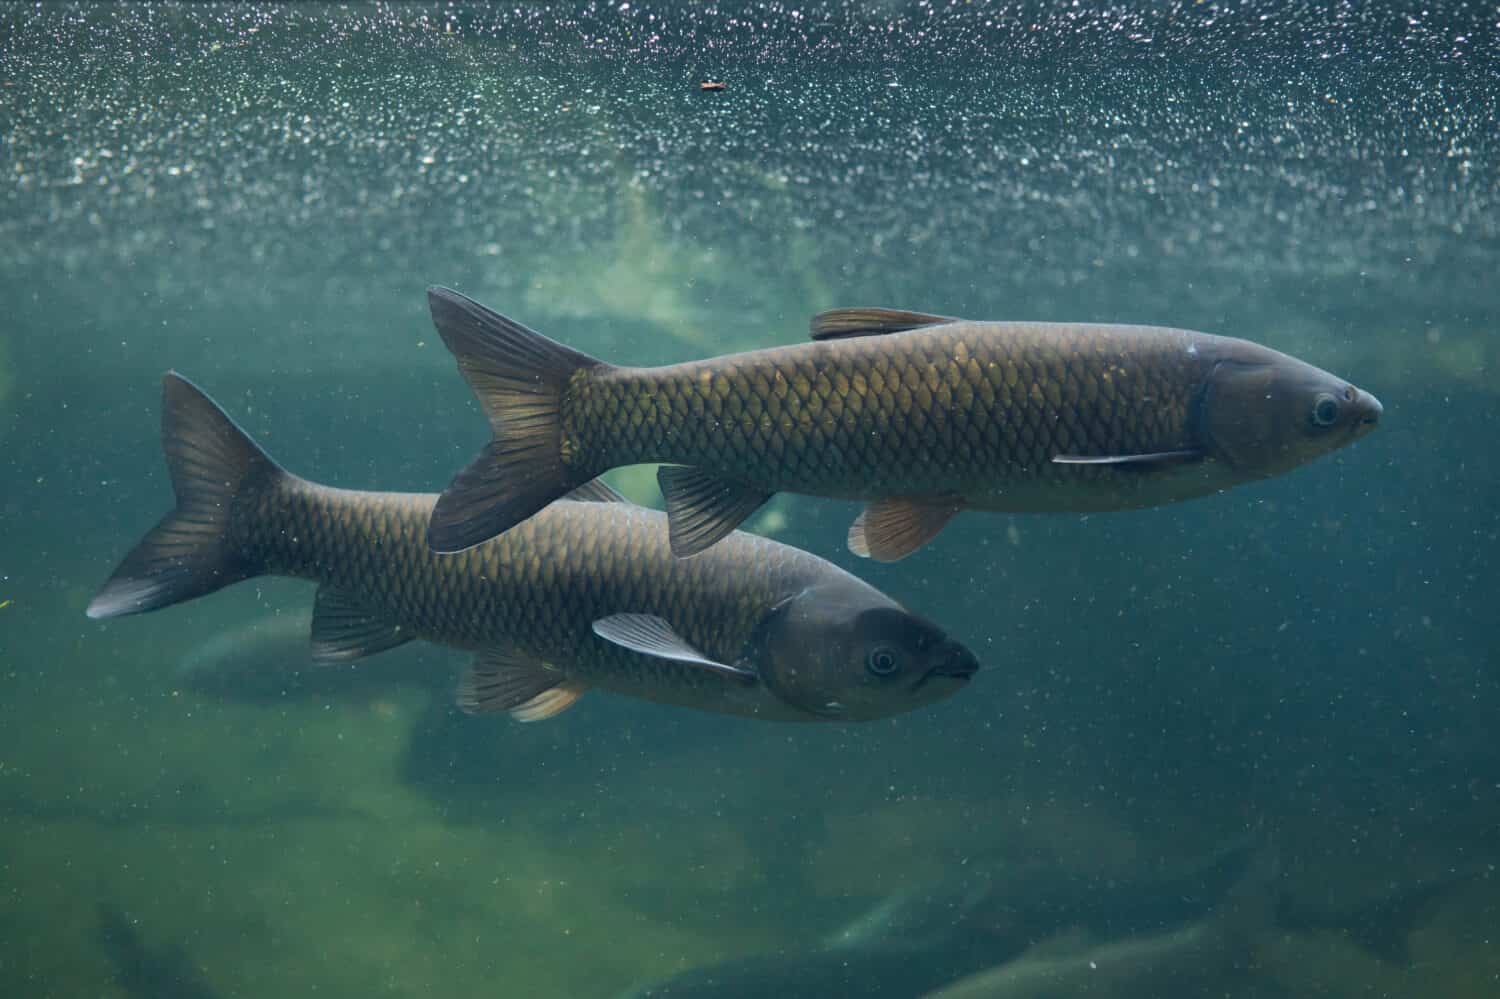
point(140, 970)
point(1183, 961)
point(924, 938)
point(921, 939)
point(899, 972)
point(1382, 922)
point(921, 416)
point(587, 596)
point(904, 947)
point(268, 659)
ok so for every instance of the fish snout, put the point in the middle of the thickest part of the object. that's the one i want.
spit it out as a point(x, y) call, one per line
point(953, 662)
point(1368, 413)
point(961, 664)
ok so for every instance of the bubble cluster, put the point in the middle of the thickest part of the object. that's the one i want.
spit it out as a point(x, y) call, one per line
point(1178, 162)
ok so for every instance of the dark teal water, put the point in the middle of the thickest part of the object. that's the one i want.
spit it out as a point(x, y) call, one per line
point(257, 196)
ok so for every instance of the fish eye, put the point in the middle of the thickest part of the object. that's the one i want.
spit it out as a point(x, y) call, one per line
point(881, 661)
point(1325, 411)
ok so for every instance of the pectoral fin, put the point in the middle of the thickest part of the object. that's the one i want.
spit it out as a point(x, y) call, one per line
point(653, 636)
point(702, 508)
point(345, 629)
point(505, 679)
point(891, 529)
point(1157, 458)
point(836, 324)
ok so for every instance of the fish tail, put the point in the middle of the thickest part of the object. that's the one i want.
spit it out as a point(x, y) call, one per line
point(520, 378)
point(1248, 912)
point(215, 468)
point(1385, 927)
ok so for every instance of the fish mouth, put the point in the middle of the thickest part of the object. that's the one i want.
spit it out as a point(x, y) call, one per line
point(961, 667)
point(1368, 417)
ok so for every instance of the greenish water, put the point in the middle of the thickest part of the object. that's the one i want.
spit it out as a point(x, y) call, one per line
point(257, 196)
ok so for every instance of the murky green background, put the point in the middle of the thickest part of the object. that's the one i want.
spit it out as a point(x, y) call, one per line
point(257, 195)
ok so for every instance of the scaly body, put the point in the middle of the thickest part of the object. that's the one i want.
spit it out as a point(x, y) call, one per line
point(541, 588)
point(921, 415)
point(975, 410)
point(586, 595)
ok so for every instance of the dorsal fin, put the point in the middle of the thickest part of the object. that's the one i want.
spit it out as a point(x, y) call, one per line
point(836, 324)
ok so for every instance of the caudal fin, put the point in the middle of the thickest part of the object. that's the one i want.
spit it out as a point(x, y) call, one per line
point(1248, 912)
point(519, 377)
point(214, 465)
point(1384, 926)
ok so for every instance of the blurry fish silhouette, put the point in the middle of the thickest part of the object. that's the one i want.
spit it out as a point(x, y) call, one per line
point(1382, 922)
point(588, 596)
point(919, 940)
point(922, 415)
point(147, 973)
point(1181, 962)
point(904, 947)
point(892, 972)
point(270, 659)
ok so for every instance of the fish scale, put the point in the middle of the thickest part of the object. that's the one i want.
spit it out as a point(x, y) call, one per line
point(921, 415)
point(971, 407)
point(539, 587)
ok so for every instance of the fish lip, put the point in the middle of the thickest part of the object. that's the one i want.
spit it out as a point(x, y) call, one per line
point(1369, 419)
point(961, 668)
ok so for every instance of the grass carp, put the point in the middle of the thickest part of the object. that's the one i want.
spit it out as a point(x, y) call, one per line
point(922, 415)
point(587, 594)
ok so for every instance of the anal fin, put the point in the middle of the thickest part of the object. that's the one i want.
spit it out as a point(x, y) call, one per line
point(345, 629)
point(548, 703)
point(891, 529)
point(505, 679)
point(702, 508)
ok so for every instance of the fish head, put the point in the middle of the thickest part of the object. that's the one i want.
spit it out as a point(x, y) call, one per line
point(841, 649)
point(1265, 413)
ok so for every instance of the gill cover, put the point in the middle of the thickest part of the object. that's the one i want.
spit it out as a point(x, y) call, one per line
point(1237, 412)
point(784, 667)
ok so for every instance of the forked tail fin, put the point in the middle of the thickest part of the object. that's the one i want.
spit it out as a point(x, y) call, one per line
point(214, 465)
point(519, 377)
